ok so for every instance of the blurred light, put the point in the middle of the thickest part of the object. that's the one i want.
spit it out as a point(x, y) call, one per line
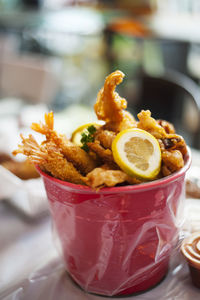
point(74, 20)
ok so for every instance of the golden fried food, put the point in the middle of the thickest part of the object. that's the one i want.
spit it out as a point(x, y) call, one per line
point(172, 161)
point(73, 153)
point(169, 127)
point(78, 157)
point(110, 107)
point(92, 163)
point(22, 169)
point(101, 176)
point(60, 168)
point(173, 146)
point(146, 122)
point(104, 154)
point(104, 176)
point(105, 137)
point(173, 142)
point(50, 159)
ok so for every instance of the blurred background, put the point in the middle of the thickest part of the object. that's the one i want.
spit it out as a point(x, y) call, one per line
point(55, 54)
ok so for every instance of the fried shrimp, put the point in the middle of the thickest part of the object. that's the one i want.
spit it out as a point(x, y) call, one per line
point(110, 107)
point(73, 153)
point(50, 159)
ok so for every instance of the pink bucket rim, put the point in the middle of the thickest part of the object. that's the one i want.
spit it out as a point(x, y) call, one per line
point(121, 189)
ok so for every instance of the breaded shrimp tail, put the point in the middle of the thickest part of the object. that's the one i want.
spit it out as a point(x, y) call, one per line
point(73, 153)
point(47, 127)
point(50, 159)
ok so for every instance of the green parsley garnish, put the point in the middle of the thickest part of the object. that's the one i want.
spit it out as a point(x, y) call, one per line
point(87, 137)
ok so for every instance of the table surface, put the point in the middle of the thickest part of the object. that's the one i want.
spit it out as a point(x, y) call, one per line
point(30, 267)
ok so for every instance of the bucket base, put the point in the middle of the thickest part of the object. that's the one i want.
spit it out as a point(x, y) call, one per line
point(148, 283)
point(160, 270)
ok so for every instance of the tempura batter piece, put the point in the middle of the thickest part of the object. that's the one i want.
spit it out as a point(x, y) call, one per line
point(104, 176)
point(105, 137)
point(146, 122)
point(50, 159)
point(173, 142)
point(105, 155)
point(169, 127)
point(73, 153)
point(173, 146)
point(110, 107)
point(172, 162)
point(163, 131)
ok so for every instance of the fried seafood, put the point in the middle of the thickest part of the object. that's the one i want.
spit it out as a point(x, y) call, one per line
point(102, 146)
point(101, 176)
point(92, 162)
point(104, 176)
point(173, 142)
point(146, 122)
point(104, 154)
point(172, 161)
point(173, 153)
point(169, 127)
point(105, 137)
point(173, 146)
point(73, 153)
point(110, 107)
point(50, 159)
point(162, 130)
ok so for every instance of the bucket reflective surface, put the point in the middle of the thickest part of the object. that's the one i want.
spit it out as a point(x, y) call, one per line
point(118, 240)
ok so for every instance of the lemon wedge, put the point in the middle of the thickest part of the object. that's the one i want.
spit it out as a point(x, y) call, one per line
point(137, 153)
point(77, 134)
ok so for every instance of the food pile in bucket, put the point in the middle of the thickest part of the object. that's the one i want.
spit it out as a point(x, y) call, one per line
point(122, 151)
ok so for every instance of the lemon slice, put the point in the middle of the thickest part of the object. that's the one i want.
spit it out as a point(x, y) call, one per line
point(76, 135)
point(137, 153)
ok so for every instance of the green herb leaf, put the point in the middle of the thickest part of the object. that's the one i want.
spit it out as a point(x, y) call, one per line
point(85, 147)
point(91, 129)
point(87, 137)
